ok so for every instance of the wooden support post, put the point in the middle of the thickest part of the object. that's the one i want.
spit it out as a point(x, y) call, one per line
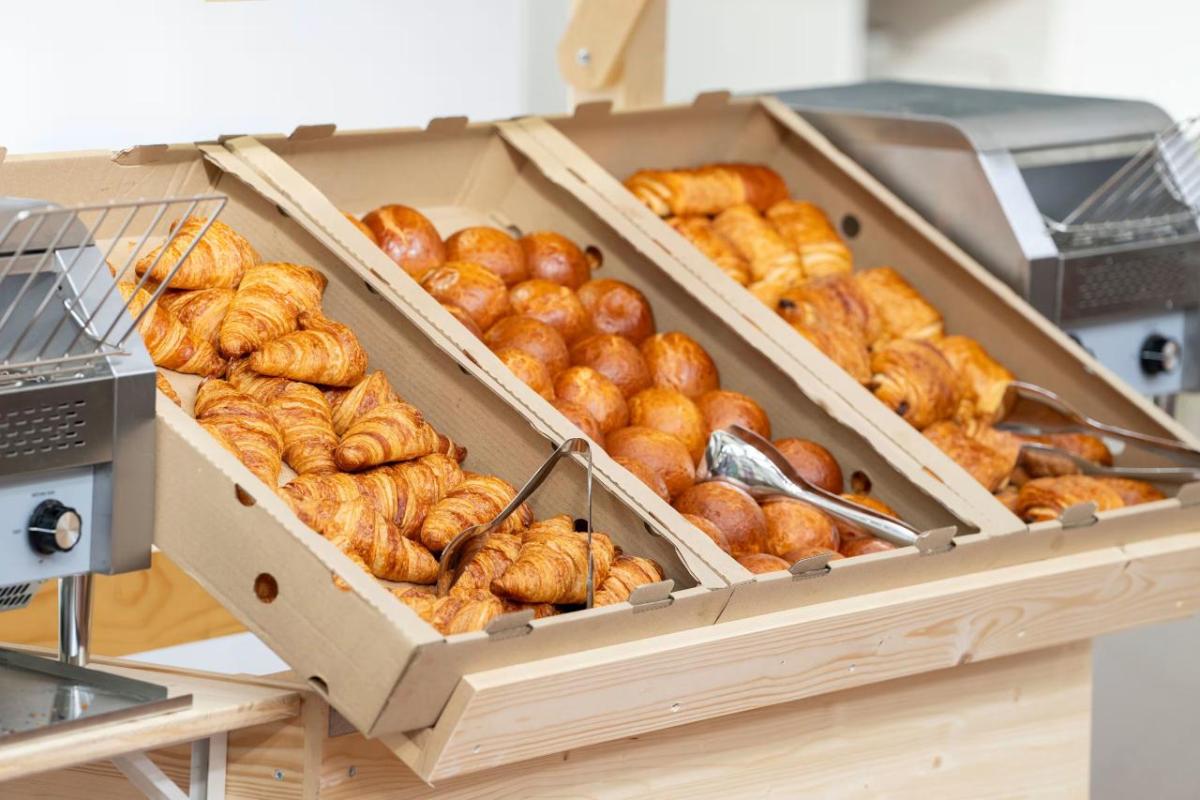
point(615, 50)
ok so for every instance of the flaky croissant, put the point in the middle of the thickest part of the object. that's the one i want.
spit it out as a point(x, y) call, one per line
point(488, 563)
point(835, 302)
point(170, 344)
point(314, 488)
point(913, 379)
point(805, 227)
point(552, 565)
point(991, 468)
point(200, 310)
point(461, 613)
point(392, 432)
point(243, 426)
point(262, 388)
point(476, 500)
point(771, 288)
point(302, 415)
point(707, 190)
point(218, 260)
point(268, 302)
point(1133, 492)
point(405, 493)
point(903, 312)
point(626, 574)
point(322, 351)
point(357, 528)
point(365, 396)
point(1041, 465)
point(1045, 499)
point(984, 378)
point(699, 231)
point(756, 240)
point(843, 346)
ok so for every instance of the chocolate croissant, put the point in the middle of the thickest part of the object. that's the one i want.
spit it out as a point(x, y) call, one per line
point(365, 396)
point(913, 379)
point(834, 302)
point(322, 351)
point(170, 344)
point(843, 346)
point(626, 574)
point(756, 240)
point(267, 304)
point(990, 467)
point(805, 227)
point(476, 500)
point(552, 566)
point(302, 415)
point(699, 231)
point(392, 432)
point(903, 312)
point(357, 528)
point(452, 614)
point(200, 310)
point(984, 378)
point(707, 190)
point(243, 426)
point(1045, 499)
point(218, 260)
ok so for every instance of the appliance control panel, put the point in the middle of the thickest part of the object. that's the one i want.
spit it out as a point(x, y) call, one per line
point(45, 525)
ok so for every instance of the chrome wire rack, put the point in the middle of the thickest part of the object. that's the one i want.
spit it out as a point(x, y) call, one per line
point(70, 295)
point(1155, 194)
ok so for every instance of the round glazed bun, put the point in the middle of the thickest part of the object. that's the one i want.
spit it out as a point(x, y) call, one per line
point(863, 545)
point(709, 530)
point(616, 307)
point(758, 563)
point(534, 337)
point(367, 232)
point(814, 463)
point(659, 451)
point(470, 287)
point(464, 318)
point(492, 249)
point(796, 529)
point(596, 393)
point(646, 475)
point(556, 258)
point(531, 371)
point(582, 418)
point(614, 357)
point(677, 361)
point(848, 531)
point(555, 305)
point(722, 408)
point(408, 237)
point(730, 509)
point(670, 412)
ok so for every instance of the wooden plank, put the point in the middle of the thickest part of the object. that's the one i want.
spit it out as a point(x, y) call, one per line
point(132, 613)
point(594, 44)
point(1011, 727)
point(506, 715)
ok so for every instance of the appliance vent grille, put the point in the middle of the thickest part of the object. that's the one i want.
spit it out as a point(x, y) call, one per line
point(17, 596)
point(42, 428)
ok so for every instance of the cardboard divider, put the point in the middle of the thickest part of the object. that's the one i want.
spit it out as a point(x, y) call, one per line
point(368, 653)
point(604, 148)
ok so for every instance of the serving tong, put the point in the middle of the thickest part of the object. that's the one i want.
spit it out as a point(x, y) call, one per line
point(1034, 410)
point(456, 555)
point(744, 459)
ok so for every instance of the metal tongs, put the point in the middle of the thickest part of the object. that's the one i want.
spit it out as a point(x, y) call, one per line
point(1031, 409)
point(463, 547)
point(744, 459)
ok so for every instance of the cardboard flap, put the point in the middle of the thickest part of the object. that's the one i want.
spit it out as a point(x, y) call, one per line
point(714, 98)
point(1189, 494)
point(1079, 515)
point(938, 540)
point(593, 109)
point(651, 595)
point(812, 566)
point(140, 154)
point(307, 133)
point(447, 124)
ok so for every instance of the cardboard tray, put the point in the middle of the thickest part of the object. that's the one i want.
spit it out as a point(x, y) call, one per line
point(366, 652)
point(462, 174)
point(602, 148)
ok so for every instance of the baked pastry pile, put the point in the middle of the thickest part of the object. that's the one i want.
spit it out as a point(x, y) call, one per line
point(592, 348)
point(285, 386)
point(876, 327)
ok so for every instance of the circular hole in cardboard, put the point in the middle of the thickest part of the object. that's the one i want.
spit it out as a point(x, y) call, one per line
point(370, 288)
point(595, 256)
point(244, 497)
point(513, 231)
point(850, 226)
point(266, 588)
point(319, 685)
point(860, 482)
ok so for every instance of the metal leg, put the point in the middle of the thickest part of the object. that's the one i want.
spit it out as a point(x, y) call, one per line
point(74, 619)
point(148, 778)
point(207, 780)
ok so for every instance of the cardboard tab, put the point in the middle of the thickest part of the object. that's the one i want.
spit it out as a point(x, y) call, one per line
point(139, 154)
point(308, 133)
point(1189, 494)
point(712, 99)
point(811, 567)
point(651, 596)
point(1079, 515)
point(593, 109)
point(508, 625)
point(938, 540)
point(225, 137)
point(446, 124)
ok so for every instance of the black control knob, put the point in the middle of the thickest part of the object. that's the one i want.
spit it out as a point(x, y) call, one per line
point(1160, 354)
point(54, 528)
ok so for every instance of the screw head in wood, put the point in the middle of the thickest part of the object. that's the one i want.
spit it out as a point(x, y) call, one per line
point(583, 57)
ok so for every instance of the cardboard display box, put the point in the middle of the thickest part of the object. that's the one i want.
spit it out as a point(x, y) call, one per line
point(603, 148)
point(370, 655)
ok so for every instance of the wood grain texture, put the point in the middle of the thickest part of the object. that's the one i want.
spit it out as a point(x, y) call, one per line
point(132, 613)
point(506, 715)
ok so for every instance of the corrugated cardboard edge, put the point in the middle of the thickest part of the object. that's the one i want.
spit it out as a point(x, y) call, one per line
point(255, 164)
point(569, 167)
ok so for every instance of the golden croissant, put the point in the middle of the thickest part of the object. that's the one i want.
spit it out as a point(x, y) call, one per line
point(461, 613)
point(267, 304)
point(699, 231)
point(302, 415)
point(990, 467)
point(405, 493)
point(805, 227)
point(474, 501)
point(218, 260)
point(1133, 492)
point(489, 562)
point(843, 346)
point(243, 426)
point(1040, 465)
point(357, 528)
point(913, 379)
point(552, 565)
point(771, 288)
point(903, 312)
point(322, 351)
point(984, 378)
point(166, 388)
point(392, 432)
point(1045, 499)
point(170, 344)
point(707, 190)
point(757, 242)
point(834, 302)
point(365, 396)
point(200, 310)
point(262, 388)
point(626, 574)
point(313, 488)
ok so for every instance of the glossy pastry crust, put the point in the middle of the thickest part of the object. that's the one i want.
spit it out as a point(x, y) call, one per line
point(903, 312)
point(616, 358)
point(707, 190)
point(671, 412)
point(661, 452)
point(552, 564)
point(267, 304)
point(814, 463)
point(492, 249)
point(475, 500)
point(553, 304)
point(200, 310)
point(529, 370)
point(716, 248)
point(552, 257)
point(722, 408)
point(762, 563)
point(796, 529)
point(626, 574)
point(913, 379)
point(534, 337)
point(730, 509)
point(808, 231)
point(322, 352)
point(1044, 499)
point(243, 426)
point(756, 240)
point(616, 307)
point(988, 466)
point(408, 238)
point(984, 378)
point(471, 287)
point(677, 361)
point(218, 260)
point(596, 393)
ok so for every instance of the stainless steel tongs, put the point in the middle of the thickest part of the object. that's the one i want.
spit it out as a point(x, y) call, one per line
point(459, 552)
point(1031, 409)
point(743, 458)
